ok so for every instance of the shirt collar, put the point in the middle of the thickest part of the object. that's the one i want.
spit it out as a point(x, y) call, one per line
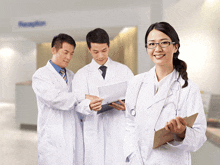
point(56, 67)
point(166, 80)
point(98, 65)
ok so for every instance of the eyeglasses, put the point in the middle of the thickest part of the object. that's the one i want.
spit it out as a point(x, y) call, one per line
point(162, 44)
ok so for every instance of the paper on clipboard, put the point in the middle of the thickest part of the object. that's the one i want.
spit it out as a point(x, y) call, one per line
point(112, 93)
point(162, 136)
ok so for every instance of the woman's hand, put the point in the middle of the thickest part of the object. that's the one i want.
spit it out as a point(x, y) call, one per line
point(177, 126)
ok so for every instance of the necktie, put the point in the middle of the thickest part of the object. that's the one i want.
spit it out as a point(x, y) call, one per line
point(103, 69)
point(63, 73)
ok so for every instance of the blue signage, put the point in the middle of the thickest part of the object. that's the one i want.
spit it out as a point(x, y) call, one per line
point(31, 24)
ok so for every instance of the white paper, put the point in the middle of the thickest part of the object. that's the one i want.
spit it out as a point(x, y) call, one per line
point(112, 93)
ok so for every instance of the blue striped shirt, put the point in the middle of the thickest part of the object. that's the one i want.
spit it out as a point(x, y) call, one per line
point(57, 68)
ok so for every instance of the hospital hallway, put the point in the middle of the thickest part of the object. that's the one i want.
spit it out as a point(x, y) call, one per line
point(18, 144)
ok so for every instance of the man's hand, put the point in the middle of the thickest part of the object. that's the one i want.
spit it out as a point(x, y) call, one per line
point(96, 102)
point(177, 126)
point(118, 106)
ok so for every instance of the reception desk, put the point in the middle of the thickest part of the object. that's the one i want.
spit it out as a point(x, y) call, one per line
point(25, 104)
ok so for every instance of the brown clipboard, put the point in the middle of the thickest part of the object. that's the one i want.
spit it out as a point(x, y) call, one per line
point(162, 136)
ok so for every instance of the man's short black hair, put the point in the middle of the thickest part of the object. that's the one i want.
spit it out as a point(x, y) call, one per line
point(97, 35)
point(58, 40)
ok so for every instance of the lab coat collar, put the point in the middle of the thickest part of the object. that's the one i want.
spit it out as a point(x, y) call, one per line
point(56, 74)
point(110, 72)
point(95, 65)
point(56, 67)
point(163, 82)
point(162, 93)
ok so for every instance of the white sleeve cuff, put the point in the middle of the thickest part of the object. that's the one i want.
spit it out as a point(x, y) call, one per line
point(83, 107)
point(179, 142)
point(80, 97)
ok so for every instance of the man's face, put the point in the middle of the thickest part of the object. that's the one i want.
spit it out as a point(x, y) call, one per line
point(99, 52)
point(63, 56)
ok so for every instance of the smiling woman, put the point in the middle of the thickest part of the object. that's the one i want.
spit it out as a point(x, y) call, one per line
point(147, 104)
point(160, 50)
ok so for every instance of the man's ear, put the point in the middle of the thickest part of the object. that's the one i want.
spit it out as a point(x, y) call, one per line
point(53, 50)
point(88, 49)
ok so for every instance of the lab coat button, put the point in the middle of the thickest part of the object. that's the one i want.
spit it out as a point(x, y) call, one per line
point(81, 120)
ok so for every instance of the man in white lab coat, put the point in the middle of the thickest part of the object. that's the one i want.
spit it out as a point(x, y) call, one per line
point(103, 133)
point(52, 85)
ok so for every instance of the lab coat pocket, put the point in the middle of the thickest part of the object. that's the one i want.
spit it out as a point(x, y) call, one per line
point(55, 136)
point(134, 159)
point(129, 158)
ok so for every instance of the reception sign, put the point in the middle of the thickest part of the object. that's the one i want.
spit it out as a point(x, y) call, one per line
point(23, 24)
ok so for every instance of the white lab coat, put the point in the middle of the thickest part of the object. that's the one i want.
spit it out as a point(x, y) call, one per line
point(103, 134)
point(140, 128)
point(56, 116)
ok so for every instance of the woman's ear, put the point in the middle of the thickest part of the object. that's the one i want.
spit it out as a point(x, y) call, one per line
point(176, 47)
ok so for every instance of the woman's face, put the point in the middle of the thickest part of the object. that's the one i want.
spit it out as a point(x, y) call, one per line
point(161, 56)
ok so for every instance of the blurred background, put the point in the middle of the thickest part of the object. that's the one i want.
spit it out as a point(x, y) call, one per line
point(26, 31)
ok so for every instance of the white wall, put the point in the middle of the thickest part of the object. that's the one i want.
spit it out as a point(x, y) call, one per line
point(21, 64)
point(17, 64)
point(197, 22)
point(118, 17)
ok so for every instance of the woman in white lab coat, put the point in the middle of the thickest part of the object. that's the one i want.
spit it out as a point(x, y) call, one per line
point(159, 98)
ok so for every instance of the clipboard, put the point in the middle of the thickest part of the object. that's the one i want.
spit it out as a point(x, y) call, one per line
point(162, 136)
point(112, 93)
point(106, 107)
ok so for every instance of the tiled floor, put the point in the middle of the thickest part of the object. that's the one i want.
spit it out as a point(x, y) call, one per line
point(18, 145)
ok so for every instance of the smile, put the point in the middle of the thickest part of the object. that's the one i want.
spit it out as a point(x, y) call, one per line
point(159, 56)
point(101, 60)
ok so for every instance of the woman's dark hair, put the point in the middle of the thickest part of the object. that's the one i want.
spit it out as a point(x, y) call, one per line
point(167, 29)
